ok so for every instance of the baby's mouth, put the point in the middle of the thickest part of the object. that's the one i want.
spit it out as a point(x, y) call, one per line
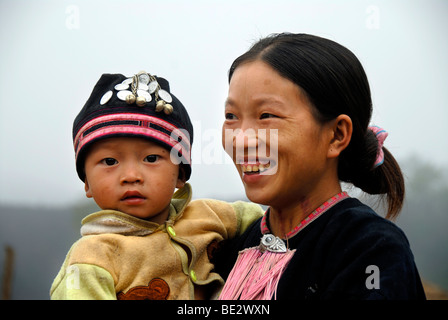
point(132, 195)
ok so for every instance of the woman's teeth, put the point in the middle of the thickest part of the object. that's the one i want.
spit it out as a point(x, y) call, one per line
point(255, 168)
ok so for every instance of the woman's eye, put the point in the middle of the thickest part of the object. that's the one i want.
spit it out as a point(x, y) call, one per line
point(109, 161)
point(152, 158)
point(267, 116)
point(230, 116)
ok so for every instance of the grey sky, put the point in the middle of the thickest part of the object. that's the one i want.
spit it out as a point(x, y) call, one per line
point(53, 52)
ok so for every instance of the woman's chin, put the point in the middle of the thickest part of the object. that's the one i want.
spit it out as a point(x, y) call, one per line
point(257, 196)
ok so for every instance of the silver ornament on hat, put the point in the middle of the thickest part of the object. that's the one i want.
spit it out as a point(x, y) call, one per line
point(140, 101)
point(143, 78)
point(163, 99)
point(165, 96)
point(122, 94)
point(121, 86)
point(139, 89)
point(130, 98)
point(160, 105)
point(168, 109)
point(145, 94)
point(142, 86)
point(127, 81)
point(152, 87)
point(106, 97)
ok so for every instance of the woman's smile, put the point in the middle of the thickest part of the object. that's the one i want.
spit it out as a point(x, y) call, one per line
point(255, 168)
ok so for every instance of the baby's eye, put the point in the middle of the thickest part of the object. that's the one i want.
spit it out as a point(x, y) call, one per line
point(109, 161)
point(152, 158)
point(230, 116)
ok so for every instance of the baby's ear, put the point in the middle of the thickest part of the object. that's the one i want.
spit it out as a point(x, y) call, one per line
point(88, 191)
point(180, 183)
point(181, 178)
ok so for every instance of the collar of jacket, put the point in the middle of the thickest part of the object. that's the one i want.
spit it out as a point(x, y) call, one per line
point(116, 222)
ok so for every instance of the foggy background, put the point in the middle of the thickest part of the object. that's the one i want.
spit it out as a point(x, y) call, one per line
point(53, 53)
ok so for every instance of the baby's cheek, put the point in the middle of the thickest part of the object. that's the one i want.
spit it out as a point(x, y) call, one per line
point(104, 198)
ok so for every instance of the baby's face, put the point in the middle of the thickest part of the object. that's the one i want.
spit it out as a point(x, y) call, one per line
point(132, 175)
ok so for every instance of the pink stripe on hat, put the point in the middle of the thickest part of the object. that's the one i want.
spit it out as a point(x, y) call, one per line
point(134, 124)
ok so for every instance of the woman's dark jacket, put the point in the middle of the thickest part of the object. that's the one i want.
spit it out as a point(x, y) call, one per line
point(349, 252)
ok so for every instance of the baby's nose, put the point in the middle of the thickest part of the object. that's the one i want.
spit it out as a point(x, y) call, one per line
point(131, 174)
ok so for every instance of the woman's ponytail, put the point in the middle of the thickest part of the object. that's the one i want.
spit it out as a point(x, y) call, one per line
point(369, 166)
point(391, 184)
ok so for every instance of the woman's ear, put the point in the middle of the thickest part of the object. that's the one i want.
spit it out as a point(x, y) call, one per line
point(342, 129)
point(87, 189)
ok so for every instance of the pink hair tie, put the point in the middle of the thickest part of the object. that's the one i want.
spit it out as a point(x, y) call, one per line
point(381, 135)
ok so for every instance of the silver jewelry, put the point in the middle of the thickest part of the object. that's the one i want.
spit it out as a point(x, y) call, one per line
point(272, 243)
point(138, 89)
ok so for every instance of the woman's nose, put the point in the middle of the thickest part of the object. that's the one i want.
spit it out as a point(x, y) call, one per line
point(240, 142)
point(246, 138)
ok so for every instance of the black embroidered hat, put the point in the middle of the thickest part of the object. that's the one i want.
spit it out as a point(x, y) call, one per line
point(138, 106)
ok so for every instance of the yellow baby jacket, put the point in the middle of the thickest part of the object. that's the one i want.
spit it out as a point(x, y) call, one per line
point(123, 257)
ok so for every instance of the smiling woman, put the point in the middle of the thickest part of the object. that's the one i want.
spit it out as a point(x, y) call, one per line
point(279, 105)
point(315, 93)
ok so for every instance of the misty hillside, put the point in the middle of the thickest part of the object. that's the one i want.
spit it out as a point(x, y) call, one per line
point(41, 237)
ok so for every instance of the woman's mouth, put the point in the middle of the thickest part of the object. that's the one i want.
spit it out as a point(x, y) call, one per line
point(263, 168)
point(255, 168)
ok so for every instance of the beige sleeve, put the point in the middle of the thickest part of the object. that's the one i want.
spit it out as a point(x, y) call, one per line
point(83, 282)
point(247, 213)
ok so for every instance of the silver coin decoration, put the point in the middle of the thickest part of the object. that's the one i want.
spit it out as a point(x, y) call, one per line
point(127, 81)
point(153, 87)
point(139, 89)
point(143, 78)
point(145, 94)
point(106, 97)
point(142, 86)
point(121, 86)
point(123, 94)
point(165, 96)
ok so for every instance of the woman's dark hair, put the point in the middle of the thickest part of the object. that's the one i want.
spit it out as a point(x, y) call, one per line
point(335, 83)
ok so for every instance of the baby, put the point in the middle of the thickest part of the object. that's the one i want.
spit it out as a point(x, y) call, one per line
point(133, 142)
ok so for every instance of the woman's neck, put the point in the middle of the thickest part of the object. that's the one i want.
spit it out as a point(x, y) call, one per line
point(283, 219)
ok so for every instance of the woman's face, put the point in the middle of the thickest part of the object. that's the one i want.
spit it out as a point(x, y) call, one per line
point(265, 110)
